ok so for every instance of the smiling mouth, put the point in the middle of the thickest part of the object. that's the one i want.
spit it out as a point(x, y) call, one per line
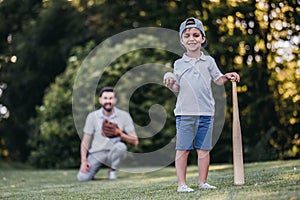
point(108, 107)
point(107, 104)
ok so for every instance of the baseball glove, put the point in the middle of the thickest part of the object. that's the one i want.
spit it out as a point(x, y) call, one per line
point(110, 129)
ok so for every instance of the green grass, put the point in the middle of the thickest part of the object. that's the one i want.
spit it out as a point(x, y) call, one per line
point(264, 180)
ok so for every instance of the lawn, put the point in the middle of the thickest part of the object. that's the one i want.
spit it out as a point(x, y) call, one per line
point(263, 180)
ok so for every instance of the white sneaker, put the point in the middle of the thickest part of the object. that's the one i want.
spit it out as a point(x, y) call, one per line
point(184, 188)
point(206, 186)
point(112, 175)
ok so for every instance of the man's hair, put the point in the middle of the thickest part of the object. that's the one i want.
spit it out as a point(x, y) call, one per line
point(107, 89)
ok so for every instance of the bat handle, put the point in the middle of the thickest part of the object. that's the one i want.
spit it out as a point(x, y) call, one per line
point(234, 93)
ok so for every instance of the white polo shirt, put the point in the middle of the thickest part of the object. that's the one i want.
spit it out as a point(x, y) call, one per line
point(93, 126)
point(194, 77)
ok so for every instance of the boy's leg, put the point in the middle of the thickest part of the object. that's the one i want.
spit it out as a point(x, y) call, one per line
point(184, 143)
point(203, 144)
point(203, 165)
point(181, 166)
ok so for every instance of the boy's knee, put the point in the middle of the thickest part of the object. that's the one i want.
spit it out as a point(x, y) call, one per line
point(202, 154)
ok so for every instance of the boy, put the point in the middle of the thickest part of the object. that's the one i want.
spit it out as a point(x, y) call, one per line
point(194, 110)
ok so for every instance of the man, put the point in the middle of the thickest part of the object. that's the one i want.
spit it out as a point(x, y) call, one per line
point(104, 131)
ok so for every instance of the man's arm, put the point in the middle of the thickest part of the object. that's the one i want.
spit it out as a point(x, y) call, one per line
point(84, 147)
point(130, 138)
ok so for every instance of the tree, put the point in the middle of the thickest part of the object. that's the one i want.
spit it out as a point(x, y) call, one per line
point(43, 35)
point(54, 131)
point(12, 17)
point(255, 36)
point(282, 42)
point(54, 140)
point(248, 37)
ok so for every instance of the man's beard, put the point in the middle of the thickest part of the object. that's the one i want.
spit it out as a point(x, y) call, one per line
point(108, 109)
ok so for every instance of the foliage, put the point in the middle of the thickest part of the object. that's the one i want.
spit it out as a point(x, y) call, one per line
point(250, 37)
point(54, 140)
point(42, 38)
point(283, 64)
point(277, 180)
point(245, 32)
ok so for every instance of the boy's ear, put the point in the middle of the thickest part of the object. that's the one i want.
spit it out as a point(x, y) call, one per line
point(204, 39)
point(181, 43)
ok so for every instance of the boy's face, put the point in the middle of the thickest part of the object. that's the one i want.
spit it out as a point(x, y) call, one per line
point(192, 39)
point(108, 100)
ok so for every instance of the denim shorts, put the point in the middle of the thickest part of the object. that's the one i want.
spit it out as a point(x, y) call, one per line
point(194, 132)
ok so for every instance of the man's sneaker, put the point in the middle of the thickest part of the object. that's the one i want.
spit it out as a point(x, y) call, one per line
point(206, 186)
point(112, 175)
point(184, 188)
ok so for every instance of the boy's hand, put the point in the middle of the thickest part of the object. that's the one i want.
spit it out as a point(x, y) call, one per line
point(233, 76)
point(169, 82)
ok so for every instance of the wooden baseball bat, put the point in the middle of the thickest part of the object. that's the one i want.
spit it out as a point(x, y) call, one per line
point(238, 165)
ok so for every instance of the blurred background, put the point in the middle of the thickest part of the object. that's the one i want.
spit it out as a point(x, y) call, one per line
point(43, 43)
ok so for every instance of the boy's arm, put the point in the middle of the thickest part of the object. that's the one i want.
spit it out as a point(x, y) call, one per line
point(233, 76)
point(170, 82)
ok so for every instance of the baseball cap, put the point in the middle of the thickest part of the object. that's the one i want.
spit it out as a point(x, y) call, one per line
point(192, 23)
